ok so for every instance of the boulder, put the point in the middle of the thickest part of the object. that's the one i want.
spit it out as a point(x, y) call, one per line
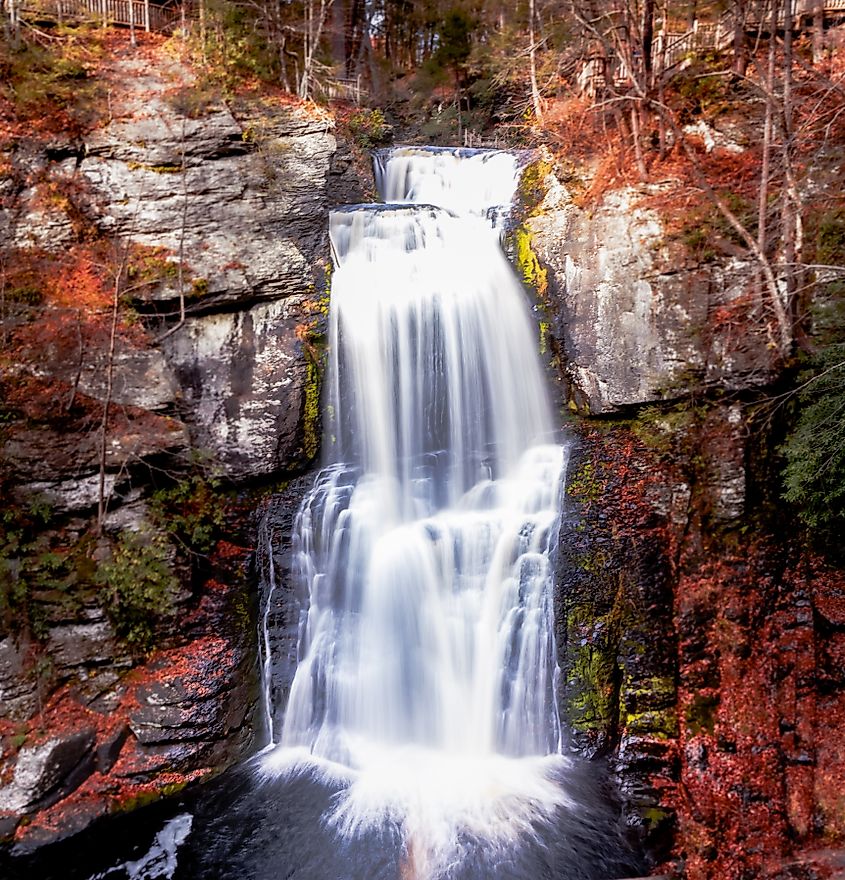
point(47, 772)
point(636, 321)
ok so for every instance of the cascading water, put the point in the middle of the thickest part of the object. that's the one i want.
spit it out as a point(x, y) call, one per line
point(425, 684)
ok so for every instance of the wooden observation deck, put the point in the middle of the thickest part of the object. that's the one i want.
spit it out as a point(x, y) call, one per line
point(143, 14)
point(673, 48)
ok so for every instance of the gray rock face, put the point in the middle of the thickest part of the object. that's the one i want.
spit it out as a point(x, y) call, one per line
point(249, 210)
point(63, 467)
point(17, 688)
point(45, 772)
point(241, 193)
point(243, 375)
point(637, 324)
point(82, 644)
point(141, 377)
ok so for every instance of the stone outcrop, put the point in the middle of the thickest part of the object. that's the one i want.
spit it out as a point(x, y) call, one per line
point(638, 321)
point(244, 385)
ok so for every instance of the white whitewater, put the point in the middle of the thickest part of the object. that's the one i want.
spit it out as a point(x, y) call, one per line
point(425, 685)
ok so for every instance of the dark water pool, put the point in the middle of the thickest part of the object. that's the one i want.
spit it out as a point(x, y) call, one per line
point(233, 829)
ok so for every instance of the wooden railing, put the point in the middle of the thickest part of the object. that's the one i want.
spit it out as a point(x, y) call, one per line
point(343, 89)
point(672, 48)
point(143, 14)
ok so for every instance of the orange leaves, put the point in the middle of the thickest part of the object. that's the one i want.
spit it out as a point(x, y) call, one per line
point(79, 283)
point(57, 317)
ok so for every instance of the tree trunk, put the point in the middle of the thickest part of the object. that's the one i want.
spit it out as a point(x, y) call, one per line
point(535, 91)
point(792, 206)
point(763, 196)
point(132, 39)
point(458, 103)
point(818, 31)
point(740, 44)
point(647, 42)
point(635, 137)
point(102, 500)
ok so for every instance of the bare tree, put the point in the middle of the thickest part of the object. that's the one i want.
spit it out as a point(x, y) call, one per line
point(532, 57)
point(315, 21)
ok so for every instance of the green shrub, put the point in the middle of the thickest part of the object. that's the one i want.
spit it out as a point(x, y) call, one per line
point(368, 128)
point(814, 475)
point(138, 586)
point(40, 566)
point(21, 564)
point(830, 238)
point(705, 229)
point(196, 100)
point(191, 511)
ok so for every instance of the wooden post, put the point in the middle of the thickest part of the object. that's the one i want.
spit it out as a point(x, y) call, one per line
point(147, 15)
point(14, 21)
point(133, 42)
point(105, 12)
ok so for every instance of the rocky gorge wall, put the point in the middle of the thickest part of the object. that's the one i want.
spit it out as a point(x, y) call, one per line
point(699, 639)
point(224, 205)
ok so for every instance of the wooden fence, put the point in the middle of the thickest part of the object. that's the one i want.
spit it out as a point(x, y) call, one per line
point(142, 14)
point(343, 89)
point(673, 48)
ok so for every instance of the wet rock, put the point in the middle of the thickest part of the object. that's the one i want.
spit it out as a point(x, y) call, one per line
point(82, 644)
point(109, 750)
point(281, 609)
point(45, 773)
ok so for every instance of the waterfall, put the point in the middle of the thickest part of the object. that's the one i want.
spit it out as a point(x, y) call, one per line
point(425, 685)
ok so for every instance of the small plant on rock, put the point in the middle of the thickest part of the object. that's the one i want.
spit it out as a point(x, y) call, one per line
point(138, 585)
point(368, 128)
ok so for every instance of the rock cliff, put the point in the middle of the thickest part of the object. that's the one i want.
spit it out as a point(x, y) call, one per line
point(218, 208)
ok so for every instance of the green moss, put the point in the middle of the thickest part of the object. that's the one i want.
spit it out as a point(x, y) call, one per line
point(532, 186)
point(311, 410)
point(152, 266)
point(528, 264)
point(147, 797)
point(591, 699)
point(242, 611)
point(156, 169)
point(662, 430)
point(584, 483)
point(650, 708)
point(700, 715)
point(199, 287)
point(544, 337)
